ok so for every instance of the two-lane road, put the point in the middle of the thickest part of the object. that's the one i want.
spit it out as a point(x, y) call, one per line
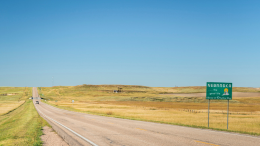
point(98, 130)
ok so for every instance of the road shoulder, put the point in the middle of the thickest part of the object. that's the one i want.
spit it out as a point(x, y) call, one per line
point(50, 138)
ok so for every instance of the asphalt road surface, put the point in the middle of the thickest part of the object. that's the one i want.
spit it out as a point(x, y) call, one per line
point(87, 129)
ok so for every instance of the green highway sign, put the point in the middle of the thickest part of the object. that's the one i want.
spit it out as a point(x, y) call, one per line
point(219, 90)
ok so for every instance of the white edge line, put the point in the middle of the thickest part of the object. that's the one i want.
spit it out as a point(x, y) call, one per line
point(68, 129)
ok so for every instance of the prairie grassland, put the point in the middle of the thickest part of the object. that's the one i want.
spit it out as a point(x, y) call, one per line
point(129, 93)
point(198, 89)
point(148, 104)
point(14, 93)
point(20, 123)
point(6, 106)
point(22, 126)
point(10, 102)
point(11, 89)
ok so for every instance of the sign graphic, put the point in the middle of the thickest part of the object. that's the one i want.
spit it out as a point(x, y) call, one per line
point(226, 91)
point(219, 90)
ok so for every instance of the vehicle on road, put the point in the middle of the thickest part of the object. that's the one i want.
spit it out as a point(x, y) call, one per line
point(37, 102)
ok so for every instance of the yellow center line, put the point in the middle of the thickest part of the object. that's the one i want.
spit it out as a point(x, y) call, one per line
point(141, 129)
point(92, 119)
point(206, 143)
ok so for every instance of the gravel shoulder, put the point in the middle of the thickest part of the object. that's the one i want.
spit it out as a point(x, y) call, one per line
point(50, 138)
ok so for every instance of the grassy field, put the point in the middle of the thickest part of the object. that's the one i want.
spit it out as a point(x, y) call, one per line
point(20, 123)
point(149, 104)
point(12, 97)
point(22, 126)
point(6, 106)
point(14, 93)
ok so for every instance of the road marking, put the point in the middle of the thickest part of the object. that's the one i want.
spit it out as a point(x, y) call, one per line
point(68, 129)
point(206, 143)
point(141, 129)
point(92, 119)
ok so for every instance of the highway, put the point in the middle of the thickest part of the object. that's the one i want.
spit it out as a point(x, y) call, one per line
point(85, 129)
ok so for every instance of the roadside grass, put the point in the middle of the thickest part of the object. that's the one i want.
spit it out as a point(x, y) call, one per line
point(10, 102)
point(22, 126)
point(6, 106)
point(14, 93)
point(20, 123)
point(148, 104)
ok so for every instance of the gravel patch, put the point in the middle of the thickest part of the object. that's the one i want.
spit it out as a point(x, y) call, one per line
point(50, 138)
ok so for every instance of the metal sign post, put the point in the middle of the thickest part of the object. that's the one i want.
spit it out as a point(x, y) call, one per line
point(227, 112)
point(208, 113)
point(218, 91)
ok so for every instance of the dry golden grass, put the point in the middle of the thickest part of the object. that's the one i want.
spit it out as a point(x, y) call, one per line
point(199, 89)
point(10, 102)
point(20, 125)
point(130, 93)
point(6, 106)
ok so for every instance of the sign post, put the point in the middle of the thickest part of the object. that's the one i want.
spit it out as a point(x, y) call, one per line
point(219, 91)
point(227, 112)
point(208, 113)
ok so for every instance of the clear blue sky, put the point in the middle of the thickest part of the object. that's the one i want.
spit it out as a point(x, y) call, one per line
point(151, 43)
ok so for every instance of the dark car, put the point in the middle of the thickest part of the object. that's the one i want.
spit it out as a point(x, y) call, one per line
point(37, 102)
